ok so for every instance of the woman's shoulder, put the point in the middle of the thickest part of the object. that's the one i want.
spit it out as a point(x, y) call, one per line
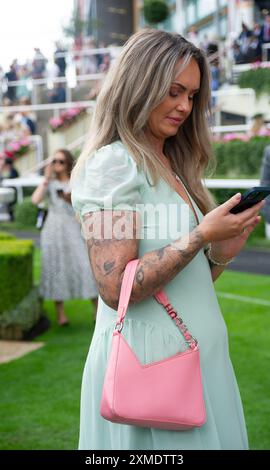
point(110, 176)
point(113, 155)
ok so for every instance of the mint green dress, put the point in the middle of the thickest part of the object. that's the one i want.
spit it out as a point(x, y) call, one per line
point(111, 174)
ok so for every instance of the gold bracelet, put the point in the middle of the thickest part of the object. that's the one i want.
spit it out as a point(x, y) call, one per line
point(216, 262)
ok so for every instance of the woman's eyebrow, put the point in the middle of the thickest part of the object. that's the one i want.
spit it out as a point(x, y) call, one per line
point(185, 88)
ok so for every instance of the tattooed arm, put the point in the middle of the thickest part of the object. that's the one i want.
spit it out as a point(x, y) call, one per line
point(109, 257)
point(110, 249)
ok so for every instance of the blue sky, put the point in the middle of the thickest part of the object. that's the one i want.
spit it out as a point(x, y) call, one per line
point(25, 24)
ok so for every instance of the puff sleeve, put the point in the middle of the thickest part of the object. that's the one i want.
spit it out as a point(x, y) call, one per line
point(110, 180)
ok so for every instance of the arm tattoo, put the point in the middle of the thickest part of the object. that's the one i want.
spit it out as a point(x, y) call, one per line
point(109, 267)
point(140, 276)
point(158, 267)
point(109, 258)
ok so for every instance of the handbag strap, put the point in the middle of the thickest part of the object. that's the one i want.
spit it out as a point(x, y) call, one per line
point(160, 297)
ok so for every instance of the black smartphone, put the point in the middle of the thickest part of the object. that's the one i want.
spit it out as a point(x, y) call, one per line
point(250, 198)
point(60, 192)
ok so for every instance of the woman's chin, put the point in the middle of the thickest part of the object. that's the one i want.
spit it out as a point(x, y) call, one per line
point(171, 133)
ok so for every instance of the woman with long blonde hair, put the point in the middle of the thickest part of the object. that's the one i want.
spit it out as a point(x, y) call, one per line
point(138, 188)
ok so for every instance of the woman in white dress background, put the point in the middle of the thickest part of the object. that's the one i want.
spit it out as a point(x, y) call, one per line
point(66, 273)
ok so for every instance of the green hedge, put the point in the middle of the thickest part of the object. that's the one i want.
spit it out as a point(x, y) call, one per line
point(6, 236)
point(16, 272)
point(238, 159)
point(25, 213)
point(25, 315)
point(258, 79)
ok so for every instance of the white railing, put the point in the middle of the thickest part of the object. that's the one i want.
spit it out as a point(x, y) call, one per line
point(49, 80)
point(234, 128)
point(47, 107)
point(35, 180)
point(70, 79)
point(113, 51)
point(239, 68)
point(231, 183)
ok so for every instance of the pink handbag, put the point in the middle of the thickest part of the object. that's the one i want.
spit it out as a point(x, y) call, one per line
point(166, 394)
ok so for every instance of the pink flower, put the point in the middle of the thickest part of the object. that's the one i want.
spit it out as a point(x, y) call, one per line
point(260, 65)
point(235, 136)
point(66, 117)
point(229, 137)
point(56, 122)
point(15, 146)
point(72, 112)
point(256, 65)
point(263, 132)
point(25, 142)
point(9, 153)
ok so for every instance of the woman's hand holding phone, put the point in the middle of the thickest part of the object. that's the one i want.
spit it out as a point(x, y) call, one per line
point(221, 224)
point(228, 232)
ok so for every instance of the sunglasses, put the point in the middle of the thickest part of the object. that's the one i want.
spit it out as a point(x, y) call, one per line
point(61, 162)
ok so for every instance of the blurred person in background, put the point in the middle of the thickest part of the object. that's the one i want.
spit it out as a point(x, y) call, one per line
point(265, 33)
point(258, 126)
point(8, 171)
point(59, 59)
point(26, 118)
point(193, 36)
point(243, 40)
point(66, 273)
point(57, 94)
point(88, 61)
point(38, 64)
point(52, 71)
point(11, 76)
point(22, 90)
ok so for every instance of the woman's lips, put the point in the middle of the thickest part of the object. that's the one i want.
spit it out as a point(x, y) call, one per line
point(175, 121)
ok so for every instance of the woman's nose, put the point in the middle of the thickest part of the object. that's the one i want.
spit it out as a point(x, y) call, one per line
point(183, 105)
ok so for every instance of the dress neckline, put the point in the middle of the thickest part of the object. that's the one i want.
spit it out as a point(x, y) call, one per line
point(191, 202)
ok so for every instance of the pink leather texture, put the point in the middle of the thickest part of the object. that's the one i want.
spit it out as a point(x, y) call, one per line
point(167, 394)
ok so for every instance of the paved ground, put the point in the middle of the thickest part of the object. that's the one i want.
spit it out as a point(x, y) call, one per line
point(254, 261)
point(35, 236)
point(10, 350)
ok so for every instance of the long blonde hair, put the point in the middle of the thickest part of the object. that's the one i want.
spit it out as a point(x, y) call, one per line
point(137, 83)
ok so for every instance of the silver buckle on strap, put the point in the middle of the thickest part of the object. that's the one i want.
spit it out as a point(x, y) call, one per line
point(119, 326)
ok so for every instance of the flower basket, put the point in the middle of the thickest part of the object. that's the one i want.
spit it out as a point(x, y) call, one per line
point(16, 149)
point(66, 118)
point(66, 133)
point(22, 152)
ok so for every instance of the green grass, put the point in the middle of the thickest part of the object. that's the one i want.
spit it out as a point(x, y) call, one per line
point(39, 407)
point(40, 393)
point(249, 335)
point(18, 227)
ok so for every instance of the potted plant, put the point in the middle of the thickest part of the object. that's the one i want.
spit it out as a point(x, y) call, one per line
point(155, 11)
